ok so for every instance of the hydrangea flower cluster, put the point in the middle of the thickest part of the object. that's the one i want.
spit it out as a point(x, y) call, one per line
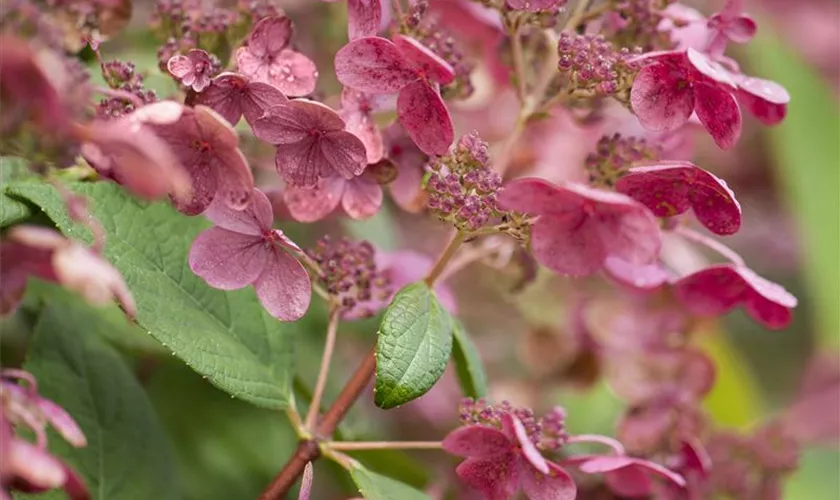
point(594, 67)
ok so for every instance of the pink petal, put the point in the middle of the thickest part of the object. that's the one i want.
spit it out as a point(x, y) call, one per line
point(258, 98)
point(228, 260)
point(344, 153)
point(236, 182)
point(180, 66)
point(251, 66)
point(479, 441)
point(363, 18)
point(768, 303)
point(532, 195)
point(309, 204)
point(497, 478)
point(373, 64)
point(533, 6)
point(299, 164)
point(306, 483)
point(270, 35)
point(512, 424)
point(62, 422)
point(765, 99)
point(34, 465)
point(632, 235)
point(284, 288)
point(629, 481)
point(719, 113)
point(709, 70)
point(253, 221)
point(425, 118)
point(557, 484)
point(741, 29)
point(429, 64)
point(224, 97)
point(296, 121)
point(642, 277)
point(362, 197)
point(292, 73)
point(407, 190)
point(362, 126)
point(566, 245)
point(204, 186)
point(660, 97)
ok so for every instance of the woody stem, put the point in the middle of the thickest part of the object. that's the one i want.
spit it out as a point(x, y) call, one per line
point(329, 347)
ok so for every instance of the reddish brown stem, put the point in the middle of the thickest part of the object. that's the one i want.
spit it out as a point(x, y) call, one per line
point(307, 451)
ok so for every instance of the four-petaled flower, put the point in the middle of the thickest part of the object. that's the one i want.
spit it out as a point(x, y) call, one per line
point(311, 142)
point(267, 58)
point(675, 84)
point(193, 70)
point(671, 188)
point(379, 66)
point(730, 24)
point(233, 95)
point(242, 249)
point(360, 197)
point(579, 227)
point(500, 461)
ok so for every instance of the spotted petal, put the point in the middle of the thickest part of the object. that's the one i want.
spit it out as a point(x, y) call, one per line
point(309, 204)
point(430, 64)
point(424, 117)
point(478, 441)
point(557, 484)
point(497, 478)
point(373, 64)
point(719, 113)
point(284, 288)
point(364, 18)
point(228, 260)
point(660, 98)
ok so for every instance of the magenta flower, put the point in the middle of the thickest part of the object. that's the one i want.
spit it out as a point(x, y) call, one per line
point(193, 70)
point(730, 24)
point(267, 58)
point(360, 197)
point(629, 476)
point(721, 288)
point(311, 142)
point(535, 5)
point(766, 100)
point(678, 83)
point(242, 249)
point(500, 461)
point(357, 112)
point(233, 95)
point(671, 188)
point(208, 148)
point(579, 227)
point(379, 66)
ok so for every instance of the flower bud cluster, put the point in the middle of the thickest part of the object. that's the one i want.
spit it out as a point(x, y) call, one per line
point(462, 187)
point(615, 153)
point(350, 274)
point(595, 68)
point(122, 75)
point(523, 15)
point(547, 433)
point(637, 23)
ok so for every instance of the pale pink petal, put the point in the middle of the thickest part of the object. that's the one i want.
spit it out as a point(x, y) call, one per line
point(631, 476)
point(373, 64)
point(62, 422)
point(567, 246)
point(284, 288)
point(513, 425)
point(719, 113)
point(660, 97)
point(251, 66)
point(180, 66)
point(430, 65)
point(557, 484)
point(532, 195)
point(270, 35)
point(34, 465)
point(765, 99)
point(253, 221)
point(497, 478)
point(479, 441)
point(632, 235)
point(228, 260)
point(363, 18)
point(424, 117)
point(306, 483)
point(407, 189)
point(293, 73)
point(742, 29)
point(344, 153)
point(709, 69)
point(362, 197)
point(309, 204)
point(642, 277)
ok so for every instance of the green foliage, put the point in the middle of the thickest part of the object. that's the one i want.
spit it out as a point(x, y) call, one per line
point(413, 346)
point(374, 486)
point(127, 456)
point(468, 364)
point(12, 210)
point(225, 336)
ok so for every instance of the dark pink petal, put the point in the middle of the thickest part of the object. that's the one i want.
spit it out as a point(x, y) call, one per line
point(299, 164)
point(253, 221)
point(567, 246)
point(62, 422)
point(765, 99)
point(479, 441)
point(309, 204)
point(425, 118)
point(363, 18)
point(344, 153)
point(236, 182)
point(497, 478)
point(296, 121)
point(270, 36)
point(228, 260)
point(373, 64)
point(767, 302)
point(719, 113)
point(204, 187)
point(292, 73)
point(429, 64)
point(742, 29)
point(362, 197)
point(224, 96)
point(258, 98)
point(661, 98)
point(514, 428)
point(557, 484)
point(284, 288)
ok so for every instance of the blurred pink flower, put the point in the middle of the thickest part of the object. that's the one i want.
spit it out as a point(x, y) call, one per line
point(233, 95)
point(193, 70)
point(360, 197)
point(407, 189)
point(407, 266)
point(356, 110)
point(729, 25)
point(629, 476)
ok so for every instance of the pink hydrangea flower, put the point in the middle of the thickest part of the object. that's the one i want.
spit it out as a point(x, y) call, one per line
point(360, 197)
point(730, 24)
point(267, 58)
point(376, 65)
point(242, 249)
point(720, 288)
point(500, 461)
point(671, 188)
point(208, 148)
point(193, 70)
point(535, 5)
point(579, 227)
point(676, 84)
point(357, 112)
point(687, 27)
point(43, 253)
point(233, 95)
point(407, 189)
point(311, 143)
point(629, 476)
point(677, 374)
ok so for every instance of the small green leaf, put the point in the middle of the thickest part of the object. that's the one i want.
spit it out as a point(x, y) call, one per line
point(127, 456)
point(12, 210)
point(413, 346)
point(226, 336)
point(468, 364)
point(374, 486)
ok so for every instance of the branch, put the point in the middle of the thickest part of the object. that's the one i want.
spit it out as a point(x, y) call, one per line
point(329, 346)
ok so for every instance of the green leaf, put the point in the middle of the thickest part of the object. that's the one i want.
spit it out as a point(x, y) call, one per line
point(374, 486)
point(127, 456)
point(225, 336)
point(468, 364)
point(413, 346)
point(12, 210)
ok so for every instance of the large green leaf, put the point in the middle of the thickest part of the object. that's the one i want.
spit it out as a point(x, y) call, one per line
point(225, 336)
point(375, 486)
point(127, 456)
point(12, 210)
point(413, 346)
point(468, 364)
